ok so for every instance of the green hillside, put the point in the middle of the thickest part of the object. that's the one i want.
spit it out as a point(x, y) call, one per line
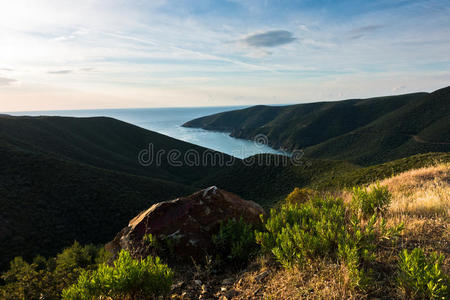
point(365, 175)
point(47, 203)
point(269, 182)
point(419, 127)
point(102, 142)
point(361, 131)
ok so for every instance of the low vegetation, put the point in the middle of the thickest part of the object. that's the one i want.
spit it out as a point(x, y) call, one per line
point(326, 227)
point(421, 275)
point(46, 278)
point(419, 199)
point(367, 203)
point(127, 279)
point(235, 243)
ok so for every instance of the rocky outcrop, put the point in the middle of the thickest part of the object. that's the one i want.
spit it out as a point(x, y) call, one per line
point(188, 223)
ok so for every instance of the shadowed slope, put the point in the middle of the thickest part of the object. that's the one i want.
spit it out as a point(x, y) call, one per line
point(102, 142)
point(47, 203)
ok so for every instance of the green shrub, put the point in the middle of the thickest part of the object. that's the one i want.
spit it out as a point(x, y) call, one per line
point(161, 245)
point(324, 227)
point(368, 202)
point(46, 278)
point(235, 242)
point(421, 276)
point(300, 195)
point(151, 240)
point(297, 232)
point(127, 279)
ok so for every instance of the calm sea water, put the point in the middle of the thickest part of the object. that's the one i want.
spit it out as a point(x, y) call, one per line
point(168, 121)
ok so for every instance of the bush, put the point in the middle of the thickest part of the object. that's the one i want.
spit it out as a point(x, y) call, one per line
point(46, 278)
point(161, 245)
point(421, 276)
point(127, 279)
point(298, 232)
point(324, 227)
point(235, 242)
point(368, 202)
point(300, 195)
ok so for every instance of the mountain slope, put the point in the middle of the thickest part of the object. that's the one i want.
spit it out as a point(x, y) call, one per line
point(419, 127)
point(47, 203)
point(103, 142)
point(269, 179)
point(362, 131)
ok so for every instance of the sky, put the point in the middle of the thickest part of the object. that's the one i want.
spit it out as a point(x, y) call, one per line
point(86, 54)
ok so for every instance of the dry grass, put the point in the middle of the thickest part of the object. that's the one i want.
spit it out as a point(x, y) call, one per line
point(420, 199)
point(317, 280)
point(423, 192)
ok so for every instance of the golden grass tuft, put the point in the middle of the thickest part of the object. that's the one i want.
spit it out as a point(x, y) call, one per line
point(422, 192)
point(321, 279)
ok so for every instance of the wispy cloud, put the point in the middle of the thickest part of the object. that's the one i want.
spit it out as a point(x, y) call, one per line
point(360, 32)
point(60, 72)
point(6, 81)
point(270, 38)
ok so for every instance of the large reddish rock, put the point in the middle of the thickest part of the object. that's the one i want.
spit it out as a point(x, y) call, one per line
point(189, 222)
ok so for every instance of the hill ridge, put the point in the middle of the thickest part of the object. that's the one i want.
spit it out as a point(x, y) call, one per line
point(343, 129)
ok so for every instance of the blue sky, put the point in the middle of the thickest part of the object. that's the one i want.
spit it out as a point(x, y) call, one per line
point(59, 54)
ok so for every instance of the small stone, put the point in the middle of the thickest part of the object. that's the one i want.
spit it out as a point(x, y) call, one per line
point(198, 282)
point(223, 289)
point(227, 281)
point(230, 294)
point(177, 285)
point(223, 297)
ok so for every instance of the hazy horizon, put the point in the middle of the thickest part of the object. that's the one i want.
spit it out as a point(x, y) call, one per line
point(199, 106)
point(96, 54)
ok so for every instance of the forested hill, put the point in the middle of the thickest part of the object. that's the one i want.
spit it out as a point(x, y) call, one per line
point(102, 142)
point(362, 131)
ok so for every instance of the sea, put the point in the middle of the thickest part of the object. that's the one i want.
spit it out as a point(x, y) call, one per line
point(168, 121)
